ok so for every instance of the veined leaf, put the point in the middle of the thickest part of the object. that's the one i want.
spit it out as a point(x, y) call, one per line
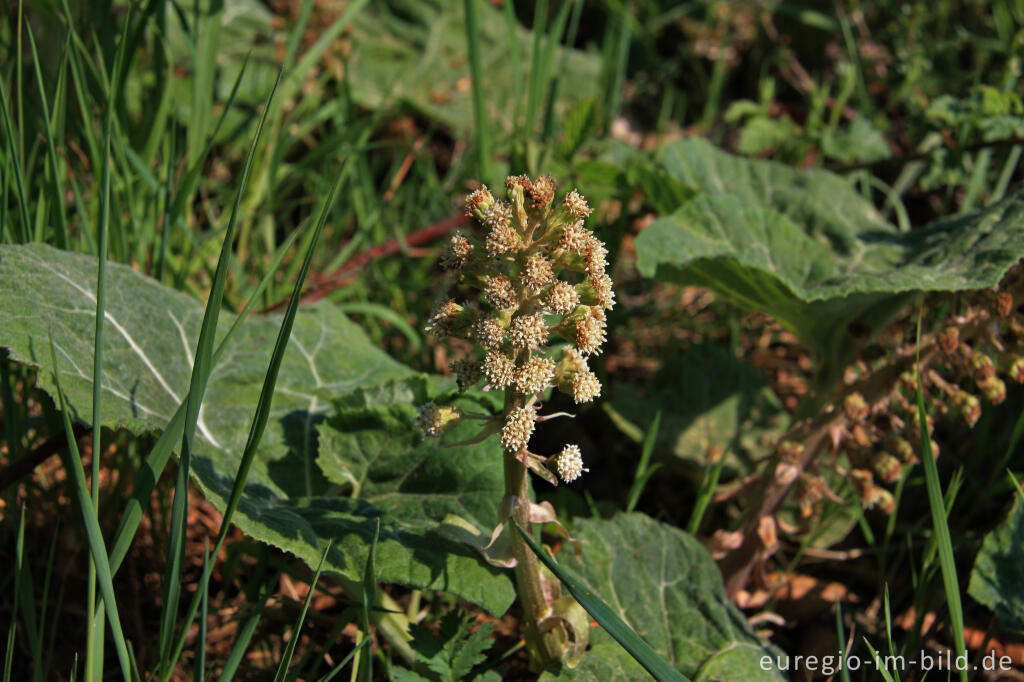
point(804, 247)
point(664, 585)
point(707, 398)
point(288, 503)
point(997, 580)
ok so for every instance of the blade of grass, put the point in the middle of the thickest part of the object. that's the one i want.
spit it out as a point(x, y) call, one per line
point(97, 549)
point(200, 673)
point(245, 634)
point(262, 414)
point(369, 591)
point(939, 523)
point(201, 369)
point(844, 673)
point(483, 140)
point(642, 474)
point(12, 627)
point(879, 664)
point(337, 669)
point(57, 188)
point(94, 634)
point(15, 164)
point(289, 650)
point(603, 614)
point(704, 495)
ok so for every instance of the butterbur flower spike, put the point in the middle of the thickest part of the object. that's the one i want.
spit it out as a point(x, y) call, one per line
point(535, 276)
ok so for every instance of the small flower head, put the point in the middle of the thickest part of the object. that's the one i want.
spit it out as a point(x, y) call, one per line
point(498, 369)
point(572, 362)
point(537, 272)
point(534, 375)
point(467, 373)
point(488, 332)
point(595, 256)
point(574, 238)
point(500, 292)
point(518, 428)
point(569, 463)
point(993, 389)
point(541, 191)
point(502, 237)
point(513, 181)
point(528, 331)
point(433, 420)
point(561, 298)
point(478, 202)
point(585, 387)
point(456, 253)
point(597, 290)
point(590, 332)
point(443, 319)
point(576, 205)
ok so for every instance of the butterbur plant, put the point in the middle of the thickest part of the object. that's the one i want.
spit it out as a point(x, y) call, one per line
point(537, 279)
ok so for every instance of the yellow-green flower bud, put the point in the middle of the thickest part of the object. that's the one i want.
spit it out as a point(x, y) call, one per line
point(434, 420)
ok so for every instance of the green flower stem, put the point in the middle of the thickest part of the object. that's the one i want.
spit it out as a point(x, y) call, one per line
point(544, 647)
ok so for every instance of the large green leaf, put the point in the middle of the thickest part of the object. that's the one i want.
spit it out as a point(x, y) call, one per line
point(665, 585)
point(997, 580)
point(804, 247)
point(707, 398)
point(416, 53)
point(287, 501)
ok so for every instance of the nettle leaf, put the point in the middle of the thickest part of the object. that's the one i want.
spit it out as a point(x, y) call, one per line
point(665, 585)
point(804, 247)
point(330, 366)
point(707, 398)
point(997, 580)
point(453, 656)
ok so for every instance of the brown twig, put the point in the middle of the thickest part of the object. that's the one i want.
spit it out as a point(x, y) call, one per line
point(323, 284)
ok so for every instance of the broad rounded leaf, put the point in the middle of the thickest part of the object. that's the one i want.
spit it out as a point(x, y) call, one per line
point(151, 331)
point(997, 580)
point(804, 247)
point(707, 398)
point(664, 585)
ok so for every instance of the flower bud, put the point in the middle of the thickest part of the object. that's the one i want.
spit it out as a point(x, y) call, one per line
point(966, 406)
point(478, 202)
point(534, 375)
point(886, 467)
point(500, 293)
point(597, 290)
point(576, 205)
point(518, 428)
point(467, 373)
point(450, 319)
point(498, 369)
point(1016, 371)
point(561, 298)
point(434, 420)
point(569, 463)
point(537, 272)
point(993, 389)
point(856, 407)
point(527, 331)
point(457, 252)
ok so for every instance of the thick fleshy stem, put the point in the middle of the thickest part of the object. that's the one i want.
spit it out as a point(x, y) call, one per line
point(544, 647)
